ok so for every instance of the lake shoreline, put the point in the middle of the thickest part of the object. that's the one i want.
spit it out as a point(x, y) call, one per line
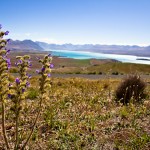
point(95, 55)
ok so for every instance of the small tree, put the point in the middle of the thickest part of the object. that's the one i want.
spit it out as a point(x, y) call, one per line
point(132, 87)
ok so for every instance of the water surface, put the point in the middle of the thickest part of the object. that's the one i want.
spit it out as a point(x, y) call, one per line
point(90, 55)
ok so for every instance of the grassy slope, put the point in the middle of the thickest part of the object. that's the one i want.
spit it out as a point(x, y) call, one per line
point(124, 68)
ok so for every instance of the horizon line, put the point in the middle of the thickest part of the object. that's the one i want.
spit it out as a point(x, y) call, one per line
point(83, 43)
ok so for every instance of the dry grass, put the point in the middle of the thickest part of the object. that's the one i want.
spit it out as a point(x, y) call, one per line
point(81, 114)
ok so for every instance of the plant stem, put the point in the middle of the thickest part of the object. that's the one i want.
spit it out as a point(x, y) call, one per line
point(35, 121)
point(3, 125)
point(17, 125)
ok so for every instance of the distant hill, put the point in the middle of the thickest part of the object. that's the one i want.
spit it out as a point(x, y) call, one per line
point(29, 45)
point(26, 45)
point(109, 49)
point(90, 47)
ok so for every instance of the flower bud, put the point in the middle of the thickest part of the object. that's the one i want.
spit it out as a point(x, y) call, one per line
point(27, 84)
point(17, 80)
point(9, 95)
point(43, 69)
point(8, 40)
point(6, 33)
point(37, 71)
point(23, 90)
point(49, 75)
point(8, 51)
point(51, 66)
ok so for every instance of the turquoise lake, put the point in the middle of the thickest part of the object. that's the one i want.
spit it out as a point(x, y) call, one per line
point(89, 55)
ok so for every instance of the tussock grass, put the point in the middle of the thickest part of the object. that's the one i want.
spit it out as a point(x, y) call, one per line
point(132, 89)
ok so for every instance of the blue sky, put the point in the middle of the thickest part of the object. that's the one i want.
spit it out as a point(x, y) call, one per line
point(121, 22)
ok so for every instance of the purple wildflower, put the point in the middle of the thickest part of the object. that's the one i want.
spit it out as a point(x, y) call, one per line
point(51, 66)
point(43, 69)
point(49, 75)
point(6, 33)
point(23, 90)
point(8, 51)
point(8, 63)
point(20, 61)
point(37, 71)
point(9, 66)
point(4, 57)
point(17, 80)
point(29, 61)
point(49, 55)
point(8, 40)
point(16, 64)
point(9, 95)
point(30, 65)
point(27, 84)
point(29, 76)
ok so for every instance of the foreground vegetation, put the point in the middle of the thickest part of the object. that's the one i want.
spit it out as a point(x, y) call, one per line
point(82, 114)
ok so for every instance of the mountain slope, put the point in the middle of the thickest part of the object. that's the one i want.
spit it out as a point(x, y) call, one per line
point(28, 45)
point(23, 45)
point(111, 49)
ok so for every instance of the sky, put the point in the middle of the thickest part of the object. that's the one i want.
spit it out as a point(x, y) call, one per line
point(119, 22)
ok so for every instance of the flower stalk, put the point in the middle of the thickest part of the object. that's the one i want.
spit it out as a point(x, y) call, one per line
point(4, 66)
point(44, 85)
point(18, 92)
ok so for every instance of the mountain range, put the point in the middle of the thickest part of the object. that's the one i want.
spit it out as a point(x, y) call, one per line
point(25, 45)
point(29, 45)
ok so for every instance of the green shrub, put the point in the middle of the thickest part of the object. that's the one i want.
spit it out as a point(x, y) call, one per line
point(92, 72)
point(100, 73)
point(115, 73)
point(78, 72)
point(132, 88)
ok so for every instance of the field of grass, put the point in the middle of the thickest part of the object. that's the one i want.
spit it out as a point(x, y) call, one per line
point(81, 114)
point(93, 66)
